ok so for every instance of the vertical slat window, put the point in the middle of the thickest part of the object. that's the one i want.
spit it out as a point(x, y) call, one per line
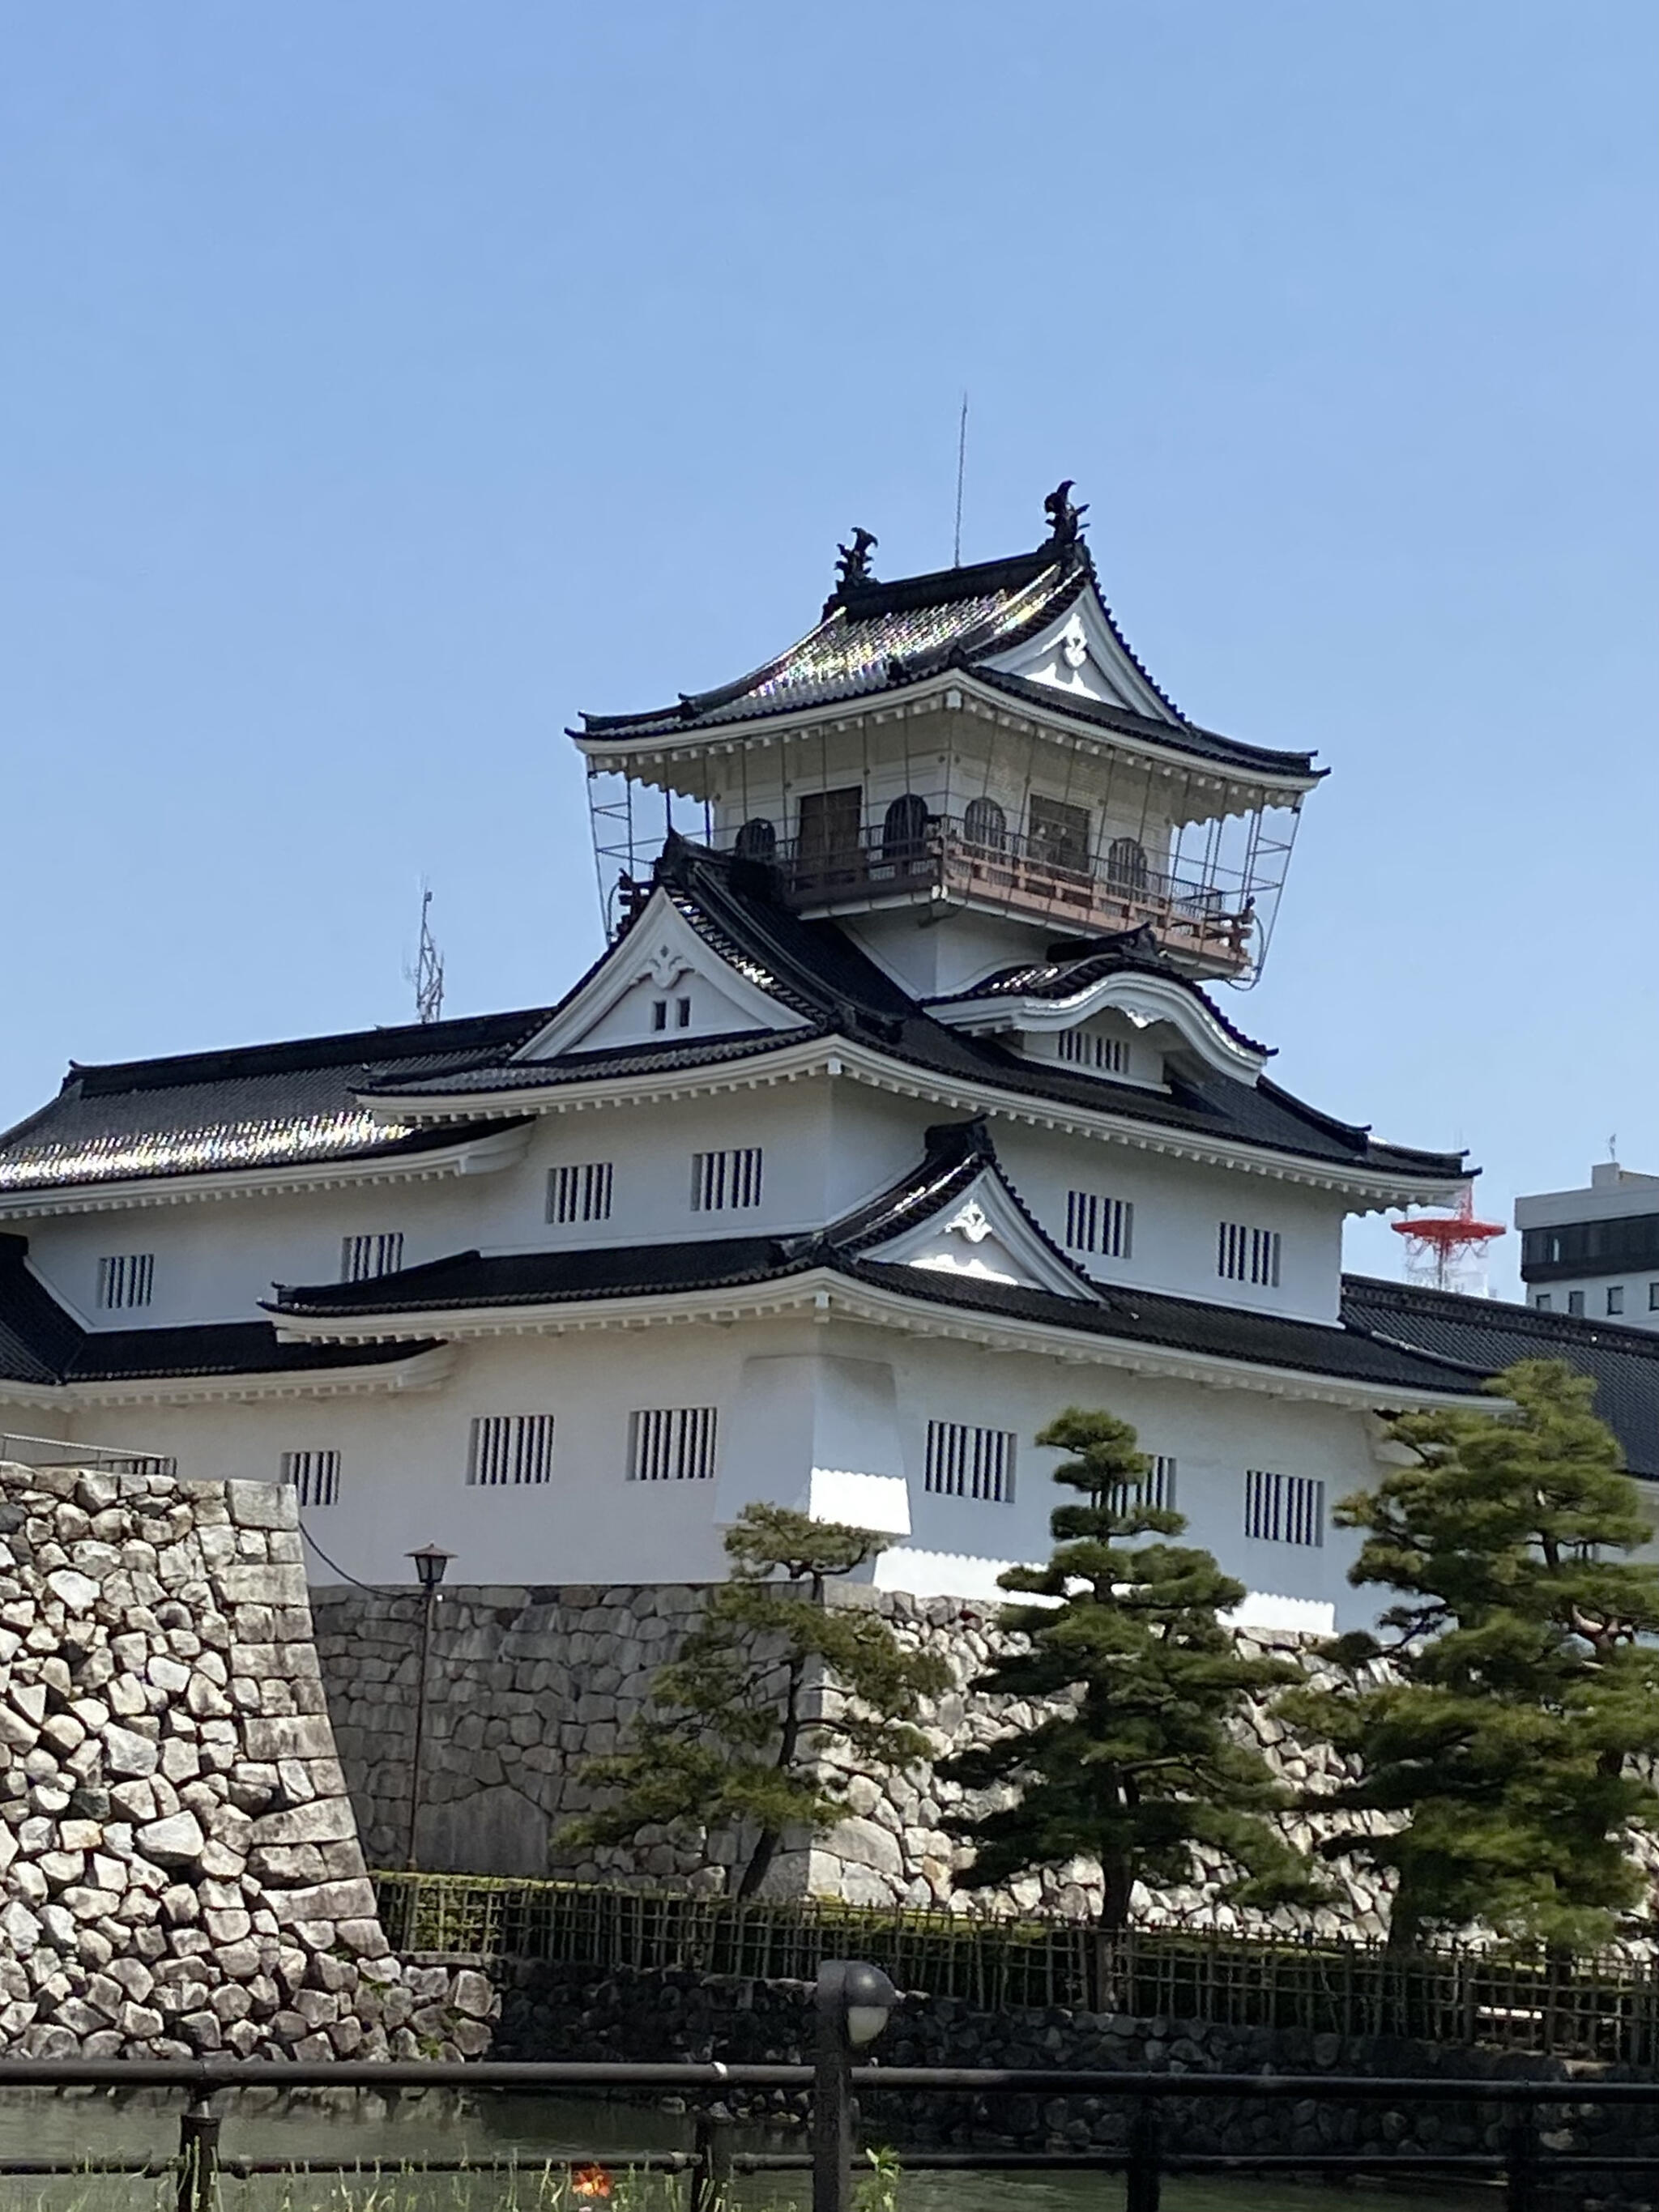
point(1244, 1255)
point(969, 1463)
point(580, 1191)
point(125, 1279)
point(1284, 1509)
point(509, 1450)
point(1097, 1223)
point(672, 1443)
point(722, 1182)
point(1155, 1488)
point(362, 1258)
point(1086, 1048)
point(315, 1474)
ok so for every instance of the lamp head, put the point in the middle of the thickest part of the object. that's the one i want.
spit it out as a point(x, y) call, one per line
point(429, 1564)
point(860, 1997)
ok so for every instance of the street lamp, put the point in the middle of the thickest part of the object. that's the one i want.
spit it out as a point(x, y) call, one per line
point(430, 1561)
point(853, 2002)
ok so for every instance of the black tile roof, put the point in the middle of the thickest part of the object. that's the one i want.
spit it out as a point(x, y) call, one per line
point(816, 969)
point(1491, 1334)
point(41, 1343)
point(256, 1106)
point(880, 637)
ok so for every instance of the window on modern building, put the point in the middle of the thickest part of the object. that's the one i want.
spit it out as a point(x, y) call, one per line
point(1155, 1488)
point(1574, 1302)
point(315, 1476)
point(1616, 1298)
point(757, 840)
point(580, 1191)
point(1058, 834)
point(721, 1181)
point(125, 1279)
point(1284, 1509)
point(362, 1258)
point(508, 1449)
point(1095, 1223)
point(969, 1463)
point(1086, 1048)
point(985, 824)
point(672, 1443)
point(1544, 1301)
point(681, 1013)
point(1248, 1255)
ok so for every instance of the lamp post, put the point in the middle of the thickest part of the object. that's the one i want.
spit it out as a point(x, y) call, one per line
point(853, 2002)
point(429, 1564)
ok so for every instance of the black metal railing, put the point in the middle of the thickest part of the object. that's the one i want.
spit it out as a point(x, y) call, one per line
point(1150, 2148)
point(1604, 2009)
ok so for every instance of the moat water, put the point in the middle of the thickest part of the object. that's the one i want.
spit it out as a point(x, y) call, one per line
point(389, 2140)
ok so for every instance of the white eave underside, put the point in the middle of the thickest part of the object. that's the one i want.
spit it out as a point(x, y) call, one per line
point(426, 1370)
point(824, 1296)
point(859, 1064)
point(956, 693)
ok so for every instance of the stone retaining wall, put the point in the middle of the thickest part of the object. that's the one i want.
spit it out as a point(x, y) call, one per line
point(180, 1868)
point(524, 1684)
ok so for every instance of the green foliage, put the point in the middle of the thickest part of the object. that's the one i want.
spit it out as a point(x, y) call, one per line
point(1524, 1685)
point(1138, 1767)
point(729, 1742)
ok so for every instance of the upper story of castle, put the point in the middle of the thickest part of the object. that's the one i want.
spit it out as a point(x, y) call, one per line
point(980, 745)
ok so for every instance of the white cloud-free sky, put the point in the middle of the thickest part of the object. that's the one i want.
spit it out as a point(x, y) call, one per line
point(386, 382)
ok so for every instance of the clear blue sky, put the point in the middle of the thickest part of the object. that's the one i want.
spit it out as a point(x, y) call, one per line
point(386, 381)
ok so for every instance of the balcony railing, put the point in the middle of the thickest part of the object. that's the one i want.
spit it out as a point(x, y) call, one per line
point(1027, 875)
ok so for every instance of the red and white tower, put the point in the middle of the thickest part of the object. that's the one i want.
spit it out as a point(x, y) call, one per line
point(1448, 1251)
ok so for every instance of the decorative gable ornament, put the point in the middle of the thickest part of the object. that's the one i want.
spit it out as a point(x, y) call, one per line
point(970, 1223)
point(989, 1236)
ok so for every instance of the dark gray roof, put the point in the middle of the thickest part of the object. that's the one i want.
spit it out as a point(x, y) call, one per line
point(880, 637)
point(257, 1106)
point(41, 1343)
point(815, 968)
point(1491, 1334)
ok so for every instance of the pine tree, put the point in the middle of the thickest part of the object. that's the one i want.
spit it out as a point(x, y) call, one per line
point(1133, 1761)
point(1521, 1686)
point(728, 1743)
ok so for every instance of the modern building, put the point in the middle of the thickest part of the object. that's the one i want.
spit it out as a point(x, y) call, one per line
point(898, 1114)
point(1595, 1253)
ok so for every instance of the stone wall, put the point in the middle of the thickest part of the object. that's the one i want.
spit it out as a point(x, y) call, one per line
point(180, 1868)
point(524, 1684)
point(567, 2012)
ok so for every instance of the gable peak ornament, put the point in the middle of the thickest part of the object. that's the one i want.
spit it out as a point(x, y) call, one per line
point(971, 1222)
point(1065, 517)
point(854, 567)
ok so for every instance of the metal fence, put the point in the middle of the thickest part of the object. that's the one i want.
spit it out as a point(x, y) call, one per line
point(55, 1451)
point(1515, 2151)
point(1604, 2009)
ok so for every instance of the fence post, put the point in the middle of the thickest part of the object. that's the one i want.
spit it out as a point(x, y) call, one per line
point(1142, 2186)
point(713, 2171)
point(199, 2154)
point(1520, 2161)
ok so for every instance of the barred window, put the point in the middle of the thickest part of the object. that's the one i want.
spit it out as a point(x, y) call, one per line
point(1155, 1488)
point(722, 1181)
point(672, 1443)
point(509, 1448)
point(581, 1192)
point(1284, 1509)
point(315, 1474)
point(1248, 1255)
point(362, 1258)
point(125, 1279)
point(1095, 1223)
point(969, 1463)
point(1086, 1048)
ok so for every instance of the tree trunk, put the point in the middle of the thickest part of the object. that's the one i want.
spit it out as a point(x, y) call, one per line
point(760, 1863)
point(766, 1850)
point(1117, 1885)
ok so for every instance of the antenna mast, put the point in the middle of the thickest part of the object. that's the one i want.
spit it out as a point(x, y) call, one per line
point(962, 470)
point(428, 976)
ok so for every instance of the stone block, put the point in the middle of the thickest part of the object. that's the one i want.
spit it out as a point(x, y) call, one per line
point(258, 1583)
point(290, 1736)
point(176, 1841)
point(128, 1753)
point(324, 1820)
point(77, 1591)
